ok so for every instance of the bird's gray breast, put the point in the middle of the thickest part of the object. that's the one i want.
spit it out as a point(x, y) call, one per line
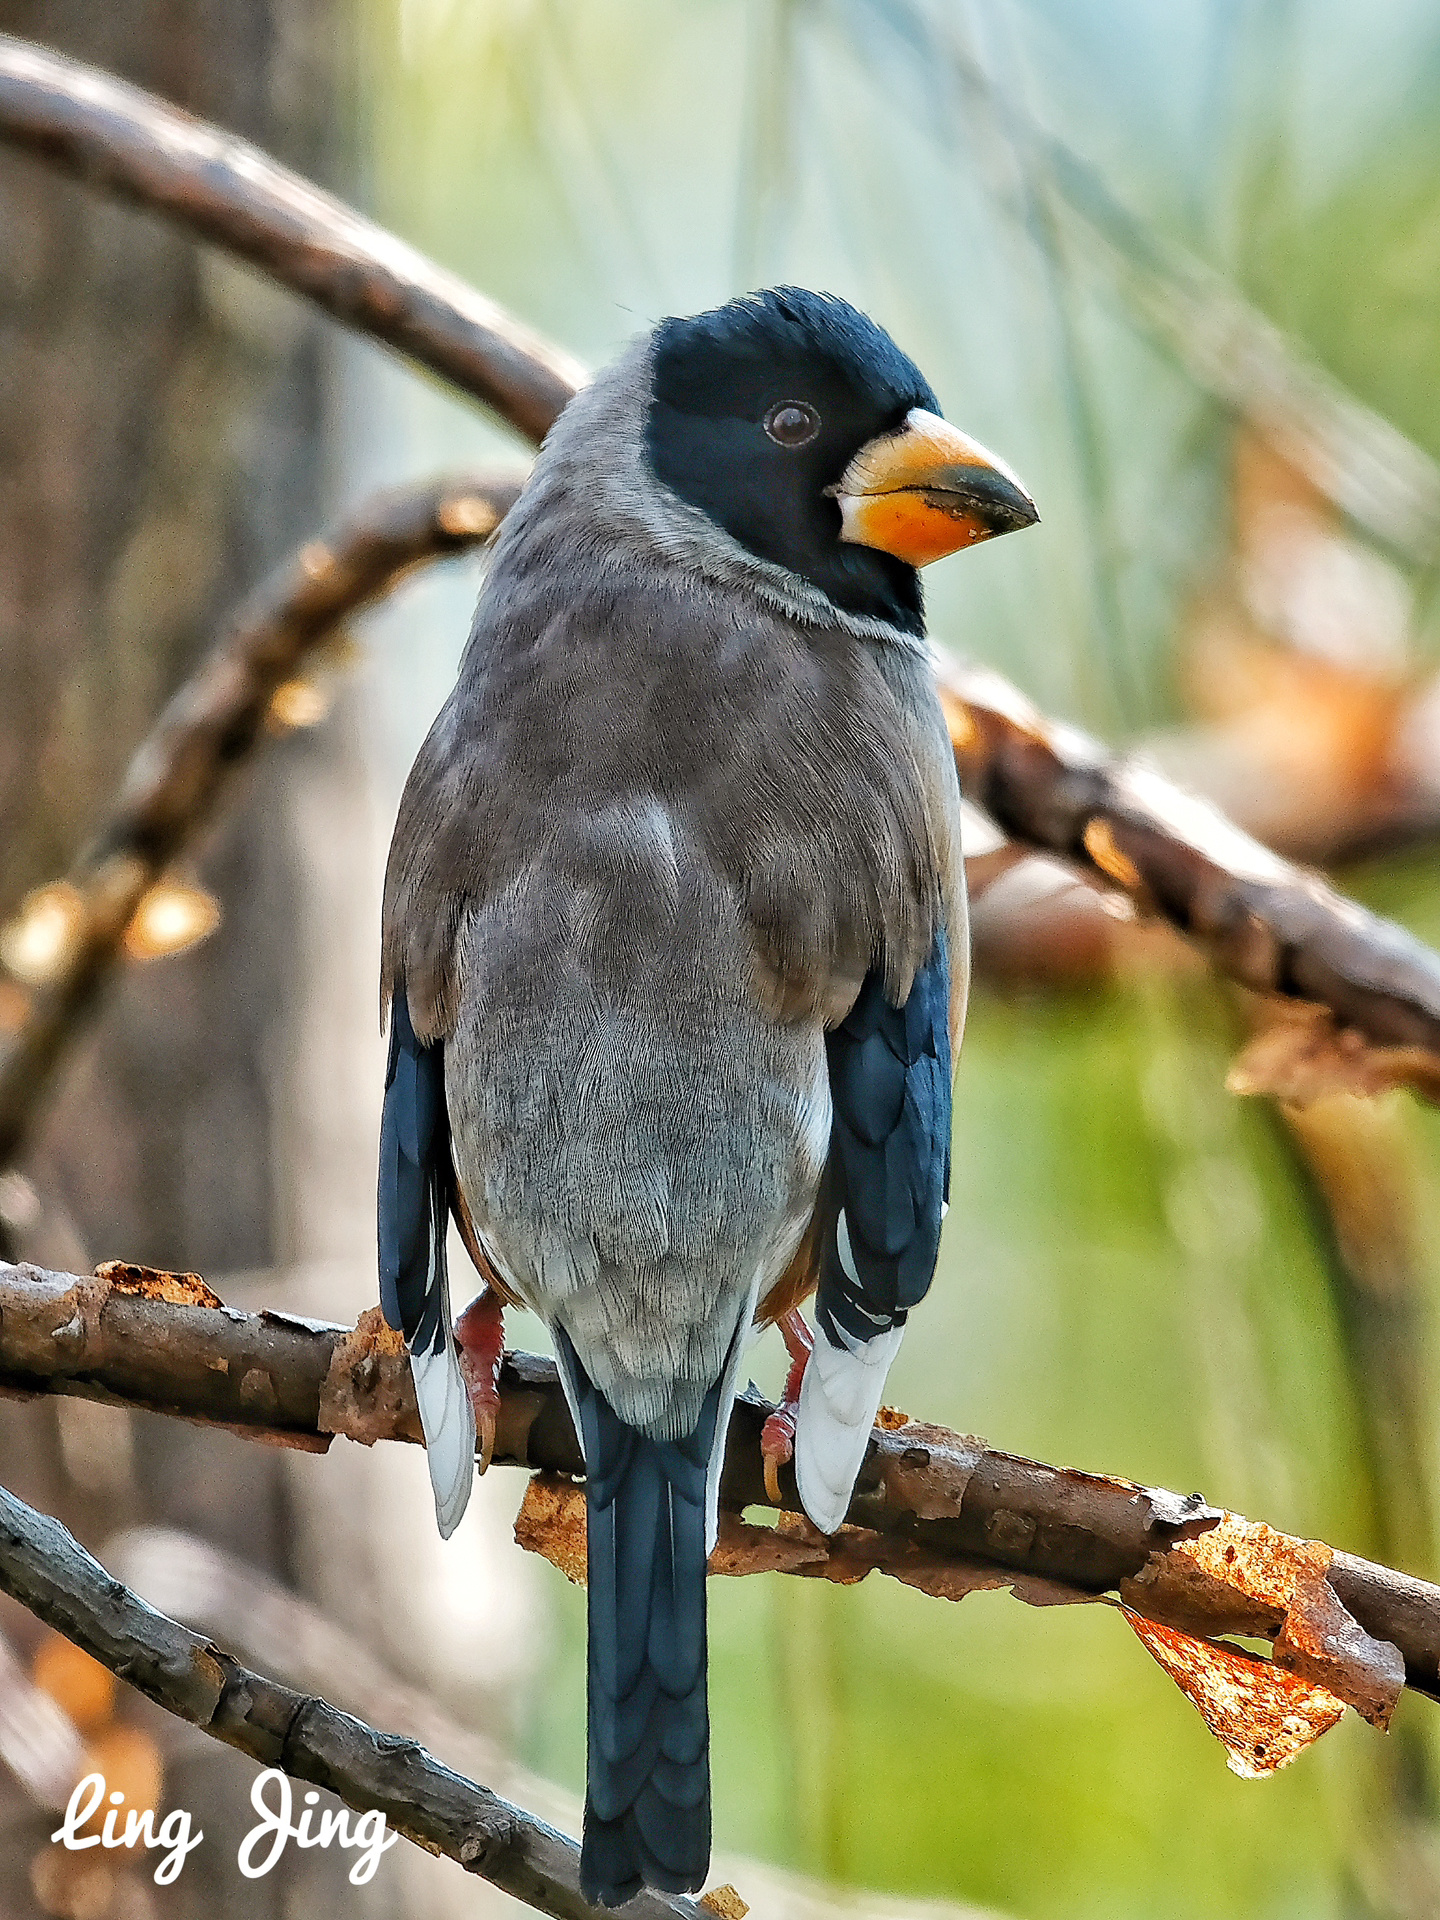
point(638, 1142)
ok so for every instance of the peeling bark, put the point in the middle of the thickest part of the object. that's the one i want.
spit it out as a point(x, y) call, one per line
point(941, 1511)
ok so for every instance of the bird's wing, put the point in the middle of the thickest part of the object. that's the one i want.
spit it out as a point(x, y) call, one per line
point(878, 1220)
point(416, 1186)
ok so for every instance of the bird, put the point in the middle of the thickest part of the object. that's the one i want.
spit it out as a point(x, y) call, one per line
point(675, 957)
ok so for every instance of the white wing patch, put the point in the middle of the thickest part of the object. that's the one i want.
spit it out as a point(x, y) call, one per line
point(839, 1398)
point(448, 1419)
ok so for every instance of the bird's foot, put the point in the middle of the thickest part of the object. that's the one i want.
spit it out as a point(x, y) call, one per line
point(777, 1436)
point(480, 1344)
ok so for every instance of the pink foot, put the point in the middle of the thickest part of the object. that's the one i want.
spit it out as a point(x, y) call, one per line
point(480, 1342)
point(777, 1436)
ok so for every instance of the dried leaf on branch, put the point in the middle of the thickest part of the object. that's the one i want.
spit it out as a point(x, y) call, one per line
point(940, 1511)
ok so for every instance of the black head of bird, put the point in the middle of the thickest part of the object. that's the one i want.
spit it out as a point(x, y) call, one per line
point(675, 947)
point(799, 427)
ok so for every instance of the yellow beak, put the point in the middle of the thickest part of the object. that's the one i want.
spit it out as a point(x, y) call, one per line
point(928, 490)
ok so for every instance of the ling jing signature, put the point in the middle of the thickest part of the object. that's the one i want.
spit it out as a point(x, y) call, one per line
point(259, 1850)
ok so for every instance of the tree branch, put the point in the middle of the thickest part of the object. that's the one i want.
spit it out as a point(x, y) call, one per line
point(933, 1508)
point(1269, 925)
point(183, 769)
point(43, 1567)
point(224, 190)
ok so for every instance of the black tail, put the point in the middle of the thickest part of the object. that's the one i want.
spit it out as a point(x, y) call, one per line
point(647, 1794)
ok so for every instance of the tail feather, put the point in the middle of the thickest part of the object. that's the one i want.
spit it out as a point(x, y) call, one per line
point(647, 1805)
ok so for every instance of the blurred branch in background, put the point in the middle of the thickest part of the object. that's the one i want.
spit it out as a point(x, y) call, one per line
point(227, 191)
point(1315, 722)
point(69, 936)
point(1268, 925)
point(1354, 457)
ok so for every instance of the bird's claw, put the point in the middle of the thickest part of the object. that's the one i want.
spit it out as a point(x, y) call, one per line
point(480, 1346)
point(777, 1446)
point(777, 1436)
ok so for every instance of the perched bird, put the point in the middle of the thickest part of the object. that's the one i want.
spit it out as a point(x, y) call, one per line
point(675, 949)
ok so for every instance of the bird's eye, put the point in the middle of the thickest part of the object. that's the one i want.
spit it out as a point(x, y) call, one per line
point(791, 423)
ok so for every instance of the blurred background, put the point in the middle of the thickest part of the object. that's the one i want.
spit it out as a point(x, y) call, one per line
point(1180, 266)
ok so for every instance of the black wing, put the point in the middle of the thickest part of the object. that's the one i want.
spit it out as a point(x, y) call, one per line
point(415, 1182)
point(889, 1153)
point(886, 1183)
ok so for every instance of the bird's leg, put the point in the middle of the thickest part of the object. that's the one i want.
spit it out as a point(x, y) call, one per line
point(480, 1343)
point(777, 1436)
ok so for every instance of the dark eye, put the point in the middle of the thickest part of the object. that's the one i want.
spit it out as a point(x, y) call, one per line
point(791, 423)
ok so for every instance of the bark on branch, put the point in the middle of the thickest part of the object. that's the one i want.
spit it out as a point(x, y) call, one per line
point(44, 1568)
point(1269, 925)
point(224, 190)
point(938, 1510)
point(184, 767)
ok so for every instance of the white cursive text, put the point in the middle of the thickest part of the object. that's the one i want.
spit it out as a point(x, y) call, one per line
point(173, 1834)
point(139, 1829)
point(369, 1832)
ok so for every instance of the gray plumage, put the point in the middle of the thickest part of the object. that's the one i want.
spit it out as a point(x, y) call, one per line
point(678, 811)
point(649, 849)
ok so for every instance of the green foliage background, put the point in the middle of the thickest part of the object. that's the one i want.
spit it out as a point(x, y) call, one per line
point(1133, 1278)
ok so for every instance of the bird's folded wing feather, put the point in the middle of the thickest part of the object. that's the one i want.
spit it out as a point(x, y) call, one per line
point(416, 1184)
point(878, 1220)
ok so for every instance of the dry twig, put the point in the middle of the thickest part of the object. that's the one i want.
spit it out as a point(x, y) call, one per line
point(182, 771)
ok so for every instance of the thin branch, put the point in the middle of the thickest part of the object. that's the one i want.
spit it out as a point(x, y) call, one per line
point(270, 1626)
point(44, 1568)
point(226, 191)
point(184, 768)
point(930, 1506)
point(1267, 924)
